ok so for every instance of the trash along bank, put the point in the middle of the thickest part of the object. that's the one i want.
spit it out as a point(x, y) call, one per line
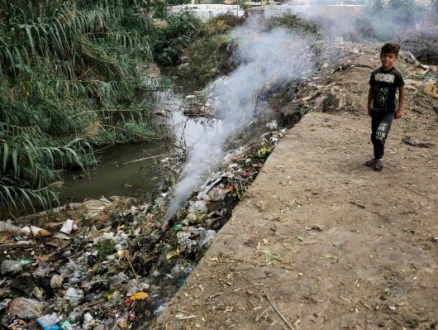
point(108, 264)
point(113, 263)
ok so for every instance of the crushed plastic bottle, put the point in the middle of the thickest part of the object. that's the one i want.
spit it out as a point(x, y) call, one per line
point(177, 270)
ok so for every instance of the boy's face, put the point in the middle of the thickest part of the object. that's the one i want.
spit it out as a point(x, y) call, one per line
point(388, 60)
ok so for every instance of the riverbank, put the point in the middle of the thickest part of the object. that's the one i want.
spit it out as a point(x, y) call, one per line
point(324, 240)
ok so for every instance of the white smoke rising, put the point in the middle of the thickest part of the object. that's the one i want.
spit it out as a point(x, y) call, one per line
point(273, 58)
point(268, 59)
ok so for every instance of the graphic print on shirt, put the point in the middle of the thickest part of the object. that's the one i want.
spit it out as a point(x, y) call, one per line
point(382, 131)
point(381, 94)
point(382, 77)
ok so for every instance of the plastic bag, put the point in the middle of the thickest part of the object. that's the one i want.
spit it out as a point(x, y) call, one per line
point(8, 227)
point(42, 270)
point(74, 296)
point(25, 308)
point(38, 293)
point(198, 207)
point(56, 281)
point(206, 238)
point(88, 321)
point(9, 266)
point(49, 321)
point(65, 325)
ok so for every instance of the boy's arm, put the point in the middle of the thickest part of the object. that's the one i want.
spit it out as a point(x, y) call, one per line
point(370, 100)
point(401, 102)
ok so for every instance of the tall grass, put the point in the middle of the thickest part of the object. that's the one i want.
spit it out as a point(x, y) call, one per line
point(68, 73)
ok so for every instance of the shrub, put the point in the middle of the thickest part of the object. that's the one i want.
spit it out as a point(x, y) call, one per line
point(178, 34)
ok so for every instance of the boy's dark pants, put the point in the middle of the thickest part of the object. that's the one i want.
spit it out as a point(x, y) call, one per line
point(380, 125)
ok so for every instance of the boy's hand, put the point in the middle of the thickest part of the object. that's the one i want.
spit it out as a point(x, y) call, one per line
point(398, 114)
point(370, 112)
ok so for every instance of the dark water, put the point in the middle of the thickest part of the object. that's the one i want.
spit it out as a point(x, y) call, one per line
point(114, 177)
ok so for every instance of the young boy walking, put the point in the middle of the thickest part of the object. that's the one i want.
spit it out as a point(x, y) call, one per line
point(382, 103)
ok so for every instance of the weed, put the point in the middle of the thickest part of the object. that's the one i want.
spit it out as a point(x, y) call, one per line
point(104, 249)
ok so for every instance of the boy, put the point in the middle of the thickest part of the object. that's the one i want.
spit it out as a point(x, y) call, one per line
point(382, 108)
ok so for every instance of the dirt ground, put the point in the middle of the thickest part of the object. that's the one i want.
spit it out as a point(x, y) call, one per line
point(321, 241)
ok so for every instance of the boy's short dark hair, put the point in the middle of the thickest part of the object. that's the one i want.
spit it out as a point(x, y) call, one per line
point(390, 47)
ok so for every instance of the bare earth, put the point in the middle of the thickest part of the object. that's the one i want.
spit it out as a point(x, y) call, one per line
point(321, 241)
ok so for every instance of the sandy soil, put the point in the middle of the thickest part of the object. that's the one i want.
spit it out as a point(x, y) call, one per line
point(321, 241)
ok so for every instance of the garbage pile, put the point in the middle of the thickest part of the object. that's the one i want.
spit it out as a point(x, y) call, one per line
point(110, 264)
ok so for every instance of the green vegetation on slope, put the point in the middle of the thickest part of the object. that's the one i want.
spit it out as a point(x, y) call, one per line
point(68, 74)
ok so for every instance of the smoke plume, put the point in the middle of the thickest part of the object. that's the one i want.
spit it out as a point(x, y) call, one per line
point(273, 57)
point(268, 58)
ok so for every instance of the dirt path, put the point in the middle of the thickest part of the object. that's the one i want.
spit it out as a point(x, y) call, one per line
point(324, 240)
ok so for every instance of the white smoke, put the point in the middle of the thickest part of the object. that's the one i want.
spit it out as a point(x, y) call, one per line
point(268, 58)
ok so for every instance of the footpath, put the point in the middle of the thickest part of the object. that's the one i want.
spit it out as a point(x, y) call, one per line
point(321, 241)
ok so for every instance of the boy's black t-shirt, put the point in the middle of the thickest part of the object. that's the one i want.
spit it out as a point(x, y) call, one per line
point(385, 85)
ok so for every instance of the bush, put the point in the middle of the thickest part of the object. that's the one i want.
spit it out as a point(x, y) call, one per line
point(178, 34)
point(208, 55)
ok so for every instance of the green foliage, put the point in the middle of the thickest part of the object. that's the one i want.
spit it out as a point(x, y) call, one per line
point(68, 73)
point(178, 34)
point(104, 248)
point(208, 55)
